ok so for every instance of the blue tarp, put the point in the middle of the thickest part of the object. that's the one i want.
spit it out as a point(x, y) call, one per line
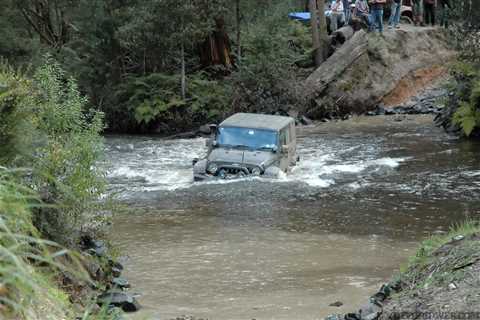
point(304, 16)
point(301, 16)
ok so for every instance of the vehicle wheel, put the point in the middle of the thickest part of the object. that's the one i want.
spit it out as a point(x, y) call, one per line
point(406, 20)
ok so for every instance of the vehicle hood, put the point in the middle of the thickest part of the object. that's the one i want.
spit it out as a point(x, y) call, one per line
point(242, 157)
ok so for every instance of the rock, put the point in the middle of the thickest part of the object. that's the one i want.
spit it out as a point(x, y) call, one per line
point(452, 286)
point(95, 270)
point(100, 248)
point(120, 282)
point(336, 304)
point(334, 86)
point(115, 264)
point(352, 316)
point(116, 272)
point(389, 112)
point(334, 317)
point(120, 299)
point(380, 110)
point(370, 311)
point(93, 247)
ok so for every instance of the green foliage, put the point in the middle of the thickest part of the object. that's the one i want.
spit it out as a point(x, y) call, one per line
point(156, 97)
point(66, 170)
point(111, 45)
point(27, 290)
point(30, 265)
point(47, 127)
point(439, 262)
point(467, 97)
point(15, 130)
point(265, 81)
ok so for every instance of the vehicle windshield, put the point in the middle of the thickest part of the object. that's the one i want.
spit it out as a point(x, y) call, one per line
point(249, 138)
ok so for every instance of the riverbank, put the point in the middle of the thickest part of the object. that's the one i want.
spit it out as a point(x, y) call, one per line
point(439, 282)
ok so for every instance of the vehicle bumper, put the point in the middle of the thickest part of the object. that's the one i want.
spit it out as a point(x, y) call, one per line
point(197, 177)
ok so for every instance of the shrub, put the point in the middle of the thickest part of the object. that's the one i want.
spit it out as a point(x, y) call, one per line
point(24, 290)
point(49, 120)
point(156, 98)
point(266, 78)
point(466, 97)
point(16, 134)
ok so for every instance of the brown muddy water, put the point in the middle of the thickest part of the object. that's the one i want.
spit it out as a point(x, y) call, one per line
point(365, 192)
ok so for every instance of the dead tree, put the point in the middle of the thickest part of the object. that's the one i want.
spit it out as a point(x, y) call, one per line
point(47, 18)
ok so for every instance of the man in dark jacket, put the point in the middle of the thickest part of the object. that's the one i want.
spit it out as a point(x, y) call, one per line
point(445, 6)
point(429, 8)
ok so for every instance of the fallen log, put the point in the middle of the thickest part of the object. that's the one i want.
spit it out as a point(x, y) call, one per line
point(342, 35)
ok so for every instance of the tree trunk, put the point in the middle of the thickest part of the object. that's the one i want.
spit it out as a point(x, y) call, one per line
point(323, 34)
point(315, 34)
point(183, 76)
point(237, 17)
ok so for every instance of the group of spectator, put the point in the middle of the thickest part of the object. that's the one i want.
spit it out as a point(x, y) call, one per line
point(371, 12)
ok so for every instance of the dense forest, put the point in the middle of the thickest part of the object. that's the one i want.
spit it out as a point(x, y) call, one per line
point(166, 66)
point(163, 66)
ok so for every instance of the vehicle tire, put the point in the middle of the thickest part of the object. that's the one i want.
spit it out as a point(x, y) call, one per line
point(406, 20)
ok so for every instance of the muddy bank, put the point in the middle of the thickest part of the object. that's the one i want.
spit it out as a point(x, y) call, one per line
point(440, 282)
point(371, 69)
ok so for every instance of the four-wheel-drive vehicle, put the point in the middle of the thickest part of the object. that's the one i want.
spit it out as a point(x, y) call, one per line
point(248, 144)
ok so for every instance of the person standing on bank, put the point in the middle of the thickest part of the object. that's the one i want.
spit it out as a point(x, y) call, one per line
point(395, 14)
point(346, 10)
point(429, 8)
point(362, 12)
point(337, 15)
point(446, 7)
point(418, 12)
point(376, 7)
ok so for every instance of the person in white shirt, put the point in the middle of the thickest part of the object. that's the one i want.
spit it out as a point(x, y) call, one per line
point(337, 16)
point(362, 11)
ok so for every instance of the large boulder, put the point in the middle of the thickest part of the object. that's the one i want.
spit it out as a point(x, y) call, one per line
point(370, 69)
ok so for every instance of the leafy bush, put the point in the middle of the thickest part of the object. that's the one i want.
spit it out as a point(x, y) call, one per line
point(266, 78)
point(466, 97)
point(16, 133)
point(30, 265)
point(49, 120)
point(156, 98)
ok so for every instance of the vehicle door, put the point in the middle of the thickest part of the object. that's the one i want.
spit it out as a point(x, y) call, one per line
point(285, 148)
point(292, 153)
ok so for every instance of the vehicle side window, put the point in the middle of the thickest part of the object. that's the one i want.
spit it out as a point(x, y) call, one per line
point(284, 137)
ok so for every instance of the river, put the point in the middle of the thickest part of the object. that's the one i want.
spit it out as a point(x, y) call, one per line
point(365, 192)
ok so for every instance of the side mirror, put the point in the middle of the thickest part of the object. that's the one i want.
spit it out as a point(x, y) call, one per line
point(284, 149)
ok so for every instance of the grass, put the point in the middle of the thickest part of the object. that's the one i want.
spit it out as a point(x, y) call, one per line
point(441, 259)
point(29, 265)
